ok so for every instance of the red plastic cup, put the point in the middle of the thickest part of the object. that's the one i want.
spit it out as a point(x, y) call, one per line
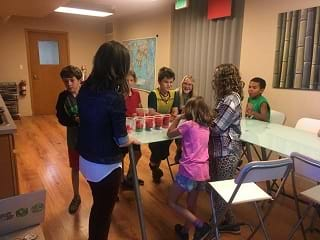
point(158, 120)
point(149, 123)
point(166, 120)
point(129, 124)
point(139, 124)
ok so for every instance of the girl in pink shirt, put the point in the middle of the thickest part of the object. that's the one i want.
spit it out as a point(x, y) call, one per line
point(194, 165)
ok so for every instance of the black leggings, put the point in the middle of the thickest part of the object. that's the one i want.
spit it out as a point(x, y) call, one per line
point(159, 151)
point(104, 195)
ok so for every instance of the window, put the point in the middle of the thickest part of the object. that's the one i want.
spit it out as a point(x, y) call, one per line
point(48, 52)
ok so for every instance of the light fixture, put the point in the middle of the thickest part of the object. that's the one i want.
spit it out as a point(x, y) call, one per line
point(80, 11)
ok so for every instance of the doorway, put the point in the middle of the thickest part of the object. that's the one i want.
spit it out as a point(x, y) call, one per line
point(48, 53)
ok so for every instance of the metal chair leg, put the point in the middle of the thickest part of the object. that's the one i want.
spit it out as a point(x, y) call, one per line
point(170, 170)
point(315, 215)
point(266, 234)
point(214, 217)
point(263, 218)
point(248, 152)
point(300, 223)
point(296, 201)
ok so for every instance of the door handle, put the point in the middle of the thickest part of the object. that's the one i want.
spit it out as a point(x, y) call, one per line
point(35, 77)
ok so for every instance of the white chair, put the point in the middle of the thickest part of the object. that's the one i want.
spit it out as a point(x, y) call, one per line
point(308, 124)
point(244, 189)
point(277, 117)
point(310, 169)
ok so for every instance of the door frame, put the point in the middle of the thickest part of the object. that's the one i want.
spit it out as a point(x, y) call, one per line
point(26, 32)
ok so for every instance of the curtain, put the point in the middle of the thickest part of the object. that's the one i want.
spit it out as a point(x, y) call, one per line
point(297, 55)
point(199, 45)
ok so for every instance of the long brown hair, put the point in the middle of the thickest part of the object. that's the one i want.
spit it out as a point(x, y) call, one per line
point(197, 110)
point(226, 79)
point(110, 67)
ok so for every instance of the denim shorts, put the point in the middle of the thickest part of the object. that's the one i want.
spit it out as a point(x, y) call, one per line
point(188, 184)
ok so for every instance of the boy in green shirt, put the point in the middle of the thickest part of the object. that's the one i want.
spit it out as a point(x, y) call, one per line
point(162, 100)
point(257, 106)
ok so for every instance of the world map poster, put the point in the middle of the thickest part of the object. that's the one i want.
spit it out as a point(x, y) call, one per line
point(142, 61)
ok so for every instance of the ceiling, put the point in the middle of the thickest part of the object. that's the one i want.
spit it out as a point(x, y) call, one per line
point(42, 8)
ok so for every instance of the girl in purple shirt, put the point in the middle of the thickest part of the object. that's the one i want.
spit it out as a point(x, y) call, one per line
point(194, 165)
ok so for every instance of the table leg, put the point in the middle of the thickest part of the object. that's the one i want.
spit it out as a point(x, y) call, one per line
point(137, 193)
point(263, 154)
point(248, 150)
point(265, 158)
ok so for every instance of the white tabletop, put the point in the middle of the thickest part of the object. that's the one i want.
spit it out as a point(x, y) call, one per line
point(150, 136)
point(276, 137)
point(280, 138)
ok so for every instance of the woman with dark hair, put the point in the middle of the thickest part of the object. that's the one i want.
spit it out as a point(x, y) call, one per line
point(103, 131)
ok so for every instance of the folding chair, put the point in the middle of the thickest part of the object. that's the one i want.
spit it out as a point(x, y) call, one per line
point(310, 169)
point(244, 189)
point(308, 124)
point(277, 117)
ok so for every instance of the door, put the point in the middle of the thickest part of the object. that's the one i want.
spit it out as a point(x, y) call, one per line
point(48, 54)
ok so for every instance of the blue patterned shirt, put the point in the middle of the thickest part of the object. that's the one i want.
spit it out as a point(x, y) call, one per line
point(225, 128)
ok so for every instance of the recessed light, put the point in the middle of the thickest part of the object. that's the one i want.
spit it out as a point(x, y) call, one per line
point(83, 12)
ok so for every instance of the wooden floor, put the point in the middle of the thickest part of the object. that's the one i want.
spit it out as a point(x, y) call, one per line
point(42, 163)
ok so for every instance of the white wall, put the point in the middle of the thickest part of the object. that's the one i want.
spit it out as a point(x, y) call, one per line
point(257, 56)
point(144, 26)
point(85, 36)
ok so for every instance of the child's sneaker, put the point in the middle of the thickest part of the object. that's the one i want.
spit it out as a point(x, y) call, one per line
point(180, 232)
point(229, 228)
point(201, 232)
point(74, 205)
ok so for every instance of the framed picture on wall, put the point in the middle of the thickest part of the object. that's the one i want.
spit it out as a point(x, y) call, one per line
point(142, 61)
point(297, 56)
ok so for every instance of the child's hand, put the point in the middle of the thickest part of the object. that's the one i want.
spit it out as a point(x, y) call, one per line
point(249, 110)
point(152, 112)
point(180, 116)
point(173, 117)
point(131, 140)
point(77, 119)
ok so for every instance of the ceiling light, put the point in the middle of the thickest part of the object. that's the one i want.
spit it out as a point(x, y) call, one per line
point(82, 12)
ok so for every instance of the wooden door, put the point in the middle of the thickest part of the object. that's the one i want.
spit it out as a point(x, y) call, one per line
point(48, 54)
